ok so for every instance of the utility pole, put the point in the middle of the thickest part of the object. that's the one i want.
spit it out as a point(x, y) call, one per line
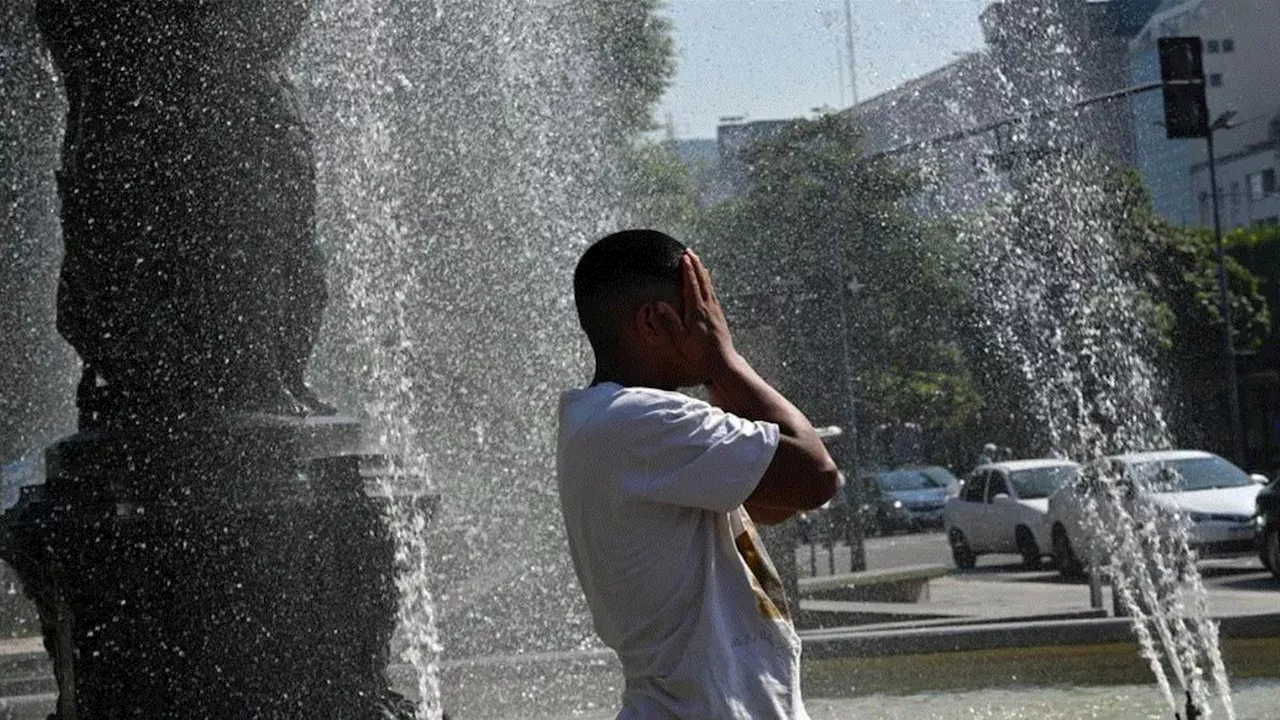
point(1224, 296)
point(848, 40)
point(840, 78)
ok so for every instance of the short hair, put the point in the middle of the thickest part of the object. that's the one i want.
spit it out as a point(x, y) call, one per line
point(620, 272)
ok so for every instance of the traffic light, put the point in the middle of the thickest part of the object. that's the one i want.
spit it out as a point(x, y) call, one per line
point(1186, 110)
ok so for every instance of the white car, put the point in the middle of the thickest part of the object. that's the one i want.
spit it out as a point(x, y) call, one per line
point(1219, 499)
point(1002, 509)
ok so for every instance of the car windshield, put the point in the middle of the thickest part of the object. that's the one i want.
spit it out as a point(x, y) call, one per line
point(1192, 474)
point(901, 480)
point(1041, 482)
point(940, 475)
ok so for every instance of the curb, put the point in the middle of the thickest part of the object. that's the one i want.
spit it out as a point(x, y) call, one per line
point(850, 642)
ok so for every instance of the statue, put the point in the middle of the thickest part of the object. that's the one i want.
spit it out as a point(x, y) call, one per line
point(191, 285)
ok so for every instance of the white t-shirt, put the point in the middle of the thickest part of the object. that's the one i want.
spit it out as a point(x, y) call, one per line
point(679, 585)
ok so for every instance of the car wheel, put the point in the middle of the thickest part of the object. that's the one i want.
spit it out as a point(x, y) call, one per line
point(1064, 556)
point(1271, 550)
point(963, 555)
point(1028, 548)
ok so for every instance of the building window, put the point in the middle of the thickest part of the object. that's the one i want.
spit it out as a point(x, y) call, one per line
point(1262, 184)
point(1212, 46)
point(1215, 80)
point(1228, 45)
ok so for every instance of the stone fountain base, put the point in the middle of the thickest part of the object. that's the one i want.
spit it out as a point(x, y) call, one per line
point(243, 570)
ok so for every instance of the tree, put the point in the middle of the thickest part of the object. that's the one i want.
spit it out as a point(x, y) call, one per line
point(822, 249)
point(1098, 313)
point(1177, 269)
point(660, 188)
point(1258, 251)
point(636, 57)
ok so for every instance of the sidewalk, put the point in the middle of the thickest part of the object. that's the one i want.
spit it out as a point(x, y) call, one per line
point(1017, 609)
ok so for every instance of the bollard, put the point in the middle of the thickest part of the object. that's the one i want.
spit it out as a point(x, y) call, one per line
point(1095, 588)
point(831, 544)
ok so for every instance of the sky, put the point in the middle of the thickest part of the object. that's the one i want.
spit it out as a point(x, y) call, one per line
point(779, 58)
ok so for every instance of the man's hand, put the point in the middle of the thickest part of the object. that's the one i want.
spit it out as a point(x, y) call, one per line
point(701, 333)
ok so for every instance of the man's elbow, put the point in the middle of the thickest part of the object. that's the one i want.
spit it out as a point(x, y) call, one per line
point(823, 486)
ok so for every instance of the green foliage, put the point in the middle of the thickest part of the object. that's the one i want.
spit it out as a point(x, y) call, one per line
point(944, 400)
point(636, 58)
point(823, 247)
point(820, 226)
point(1258, 251)
point(660, 188)
point(1178, 270)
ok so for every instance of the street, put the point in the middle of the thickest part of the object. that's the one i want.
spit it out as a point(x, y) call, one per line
point(1243, 573)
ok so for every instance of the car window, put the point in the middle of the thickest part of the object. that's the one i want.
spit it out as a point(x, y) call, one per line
point(1191, 474)
point(900, 480)
point(975, 489)
point(995, 486)
point(1041, 482)
point(940, 475)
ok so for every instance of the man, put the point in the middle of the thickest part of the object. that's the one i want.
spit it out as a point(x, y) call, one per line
point(988, 454)
point(659, 490)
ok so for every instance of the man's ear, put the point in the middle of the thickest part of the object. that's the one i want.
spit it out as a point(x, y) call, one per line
point(649, 325)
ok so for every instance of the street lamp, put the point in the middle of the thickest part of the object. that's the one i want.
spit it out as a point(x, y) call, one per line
point(1225, 122)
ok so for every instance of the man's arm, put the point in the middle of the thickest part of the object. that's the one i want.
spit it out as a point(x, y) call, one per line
point(802, 475)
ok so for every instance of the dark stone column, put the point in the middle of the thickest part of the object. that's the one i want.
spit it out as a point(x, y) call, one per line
point(191, 283)
point(207, 546)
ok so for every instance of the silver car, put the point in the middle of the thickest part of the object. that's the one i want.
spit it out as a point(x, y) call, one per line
point(1217, 497)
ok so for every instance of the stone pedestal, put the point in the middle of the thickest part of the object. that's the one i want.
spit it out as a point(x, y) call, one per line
point(241, 570)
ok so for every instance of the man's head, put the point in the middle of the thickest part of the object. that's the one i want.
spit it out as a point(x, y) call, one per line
point(617, 286)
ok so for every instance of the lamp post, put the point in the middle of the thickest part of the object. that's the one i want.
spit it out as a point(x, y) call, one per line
point(854, 532)
point(1224, 122)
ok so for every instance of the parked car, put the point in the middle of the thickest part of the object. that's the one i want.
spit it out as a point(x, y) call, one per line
point(1002, 509)
point(903, 499)
point(1219, 499)
point(942, 476)
point(1269, 518)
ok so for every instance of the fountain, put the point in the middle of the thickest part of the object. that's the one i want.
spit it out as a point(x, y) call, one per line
point(404, 200)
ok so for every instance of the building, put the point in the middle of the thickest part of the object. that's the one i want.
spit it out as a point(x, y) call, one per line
point(961, 95)
point(1242, 65)
point(1039, 56)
